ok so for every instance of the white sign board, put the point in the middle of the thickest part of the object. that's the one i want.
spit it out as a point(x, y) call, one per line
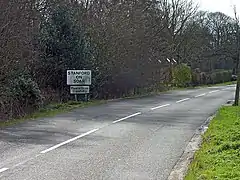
point(79, 89)
point(79, 77)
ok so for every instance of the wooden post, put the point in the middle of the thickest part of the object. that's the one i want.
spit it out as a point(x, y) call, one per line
point(86, 97)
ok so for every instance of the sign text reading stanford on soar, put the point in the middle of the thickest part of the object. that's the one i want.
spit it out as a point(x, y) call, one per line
point(79, 77)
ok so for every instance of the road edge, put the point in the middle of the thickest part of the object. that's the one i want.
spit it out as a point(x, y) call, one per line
point(180, 169)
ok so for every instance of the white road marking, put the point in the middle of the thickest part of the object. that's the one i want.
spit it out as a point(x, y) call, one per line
point(127, 117)
point(200, 95)
point(226, 88)
point(3, 169)
point(183, 100)
point(215, 87)
point(94, 130)
point(158, 107)
point(26, 161)
point(10, 133)
point(68, 141)
point(23, 162)
point(214, 91)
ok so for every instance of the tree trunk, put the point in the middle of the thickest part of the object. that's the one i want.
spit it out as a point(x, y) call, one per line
point(237, 91)
point(236, 102)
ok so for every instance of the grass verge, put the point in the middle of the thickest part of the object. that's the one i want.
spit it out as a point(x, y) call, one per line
point(204, 86)
point(219, 156)
point(220, 84)
point(50, 111)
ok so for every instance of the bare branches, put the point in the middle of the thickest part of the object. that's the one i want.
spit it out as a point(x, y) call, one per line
point(176, 13)
point(15, 35)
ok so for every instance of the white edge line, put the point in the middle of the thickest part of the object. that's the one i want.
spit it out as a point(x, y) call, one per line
point(127, 117)
point(200, 95)
point(183, 100)
point(214, 91)
point(68, 141)
point(158, 107)
point(3, 169)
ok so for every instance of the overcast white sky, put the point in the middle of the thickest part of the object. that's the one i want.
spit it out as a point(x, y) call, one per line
point(225, 6)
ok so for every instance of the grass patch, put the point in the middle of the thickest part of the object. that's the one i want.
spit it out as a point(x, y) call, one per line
point(218, 84)
point(219, 156)
point(51, 110)
point(145, 94)
point(221, 84)
point(204, 86)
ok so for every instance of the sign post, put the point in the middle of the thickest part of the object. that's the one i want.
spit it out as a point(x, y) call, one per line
point(79, 82)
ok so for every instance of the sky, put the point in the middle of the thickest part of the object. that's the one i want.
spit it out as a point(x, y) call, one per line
point(225, 6)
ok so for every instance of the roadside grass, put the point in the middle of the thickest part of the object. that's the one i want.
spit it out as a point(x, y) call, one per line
point(220, 84)
point(204, 86)
point(219, 155)
point(50, 111)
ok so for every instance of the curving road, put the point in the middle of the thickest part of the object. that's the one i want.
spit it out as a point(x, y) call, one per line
point(138, 139)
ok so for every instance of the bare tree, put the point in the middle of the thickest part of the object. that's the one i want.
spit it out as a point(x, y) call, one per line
point(16, 51)
point(176, 15)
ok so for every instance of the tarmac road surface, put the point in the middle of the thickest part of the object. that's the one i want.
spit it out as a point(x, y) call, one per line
point(131, 139)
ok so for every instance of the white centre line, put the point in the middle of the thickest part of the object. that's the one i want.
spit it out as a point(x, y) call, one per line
point(23, 162)
point(226, 88)
point(68, 141)
point(183, 100)
point(127, 117)
point(214, 91)
point(200, 95)
point(3, 169)
point(158, 107)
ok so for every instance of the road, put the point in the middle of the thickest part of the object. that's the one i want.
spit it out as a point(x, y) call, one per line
point(131, 139)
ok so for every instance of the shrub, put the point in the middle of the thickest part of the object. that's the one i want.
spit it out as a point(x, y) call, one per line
point(25, 90)
point(182, 75)
point(19, 94)
point(218, 76)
